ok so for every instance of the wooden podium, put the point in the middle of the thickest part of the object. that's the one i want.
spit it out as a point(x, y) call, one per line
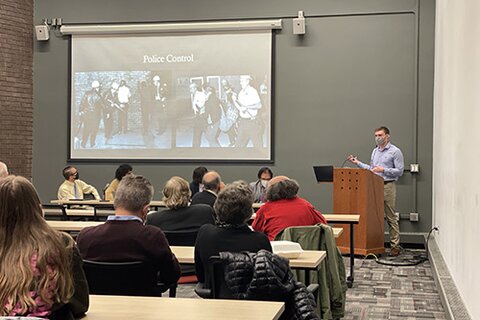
point(360, 191)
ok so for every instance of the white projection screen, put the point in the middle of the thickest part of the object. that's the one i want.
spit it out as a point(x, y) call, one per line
point(172, 97)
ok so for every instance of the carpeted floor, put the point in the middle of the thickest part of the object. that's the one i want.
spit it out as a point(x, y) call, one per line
point(393, 292)
point(384, 292)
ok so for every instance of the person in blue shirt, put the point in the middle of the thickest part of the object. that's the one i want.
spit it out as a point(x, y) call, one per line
point(387, 162)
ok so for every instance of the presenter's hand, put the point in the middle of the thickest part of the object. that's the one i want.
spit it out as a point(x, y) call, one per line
point(378, 169)
point(353, 159)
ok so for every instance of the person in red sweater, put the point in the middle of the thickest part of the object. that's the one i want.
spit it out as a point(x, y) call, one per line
point(284, 209)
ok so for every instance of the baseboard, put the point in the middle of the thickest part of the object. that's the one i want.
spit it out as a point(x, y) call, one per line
point(451, 300)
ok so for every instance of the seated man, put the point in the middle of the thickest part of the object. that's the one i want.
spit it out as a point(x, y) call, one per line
point(124, 238)
point(233, 209)
point(179, 215)
point(259, 187)
point(74, 188)
point(284, 209)
point(212, 184)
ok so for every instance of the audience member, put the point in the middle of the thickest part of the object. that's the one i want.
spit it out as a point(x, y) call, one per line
point(212, 184)
point(41, 271)
point(233, 209)
point(179, 215)
point(124, 238)
point(121, 172)
point(196, 184)
point(284, 209)
point(73, 187)
point(3, 170)
point(259, 187)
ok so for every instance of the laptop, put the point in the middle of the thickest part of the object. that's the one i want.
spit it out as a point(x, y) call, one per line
point(323, 173)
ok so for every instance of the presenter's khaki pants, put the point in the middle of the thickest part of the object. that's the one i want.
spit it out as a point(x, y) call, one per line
point(389, 197)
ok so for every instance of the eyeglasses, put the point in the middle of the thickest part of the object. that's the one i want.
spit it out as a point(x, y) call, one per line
point(74, 173)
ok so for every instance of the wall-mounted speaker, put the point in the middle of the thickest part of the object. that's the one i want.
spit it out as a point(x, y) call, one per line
point(42, 32)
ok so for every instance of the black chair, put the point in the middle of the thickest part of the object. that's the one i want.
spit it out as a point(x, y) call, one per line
point(218, 288)
point(181, 238)
point(135, 278)
point(103, 210)
point(88, 196)
point(54, 210)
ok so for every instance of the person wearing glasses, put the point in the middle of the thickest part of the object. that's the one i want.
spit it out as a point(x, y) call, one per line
point(73, 187)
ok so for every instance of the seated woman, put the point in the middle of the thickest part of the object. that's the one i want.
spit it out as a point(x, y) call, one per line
point(197, 176)
point(121, 172)
point(179, 215)
point(41, 271)
point(259, 187)
point(284, 209)
point(233, 209)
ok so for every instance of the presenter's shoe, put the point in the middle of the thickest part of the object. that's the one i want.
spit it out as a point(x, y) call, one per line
point(394, 252)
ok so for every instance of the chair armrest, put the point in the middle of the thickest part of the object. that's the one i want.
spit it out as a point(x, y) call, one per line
point(203, 292)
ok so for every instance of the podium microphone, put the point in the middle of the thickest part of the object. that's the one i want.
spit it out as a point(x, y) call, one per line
point(345, 161)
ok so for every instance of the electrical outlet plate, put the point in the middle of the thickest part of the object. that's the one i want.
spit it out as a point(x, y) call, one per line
point(413, 216)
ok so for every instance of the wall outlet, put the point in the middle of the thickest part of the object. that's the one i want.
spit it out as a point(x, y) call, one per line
point(413, 216)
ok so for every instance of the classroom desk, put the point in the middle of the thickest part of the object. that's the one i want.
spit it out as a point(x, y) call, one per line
point(350, 219)
point(149, 308)
point(308, 260)
point(155, 204)
point(69, 226)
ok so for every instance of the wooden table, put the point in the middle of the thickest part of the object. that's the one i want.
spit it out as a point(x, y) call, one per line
point(308, 259)
point(69, 226)
point(350, 219)
point(149, 308)
point(154, 203)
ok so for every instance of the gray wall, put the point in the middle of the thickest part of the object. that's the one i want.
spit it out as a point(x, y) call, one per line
point(362, 63)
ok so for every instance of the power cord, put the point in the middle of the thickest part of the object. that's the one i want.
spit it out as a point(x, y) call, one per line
point(416, 260)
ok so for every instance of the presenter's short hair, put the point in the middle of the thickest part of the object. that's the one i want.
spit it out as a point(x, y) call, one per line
point(383, 128)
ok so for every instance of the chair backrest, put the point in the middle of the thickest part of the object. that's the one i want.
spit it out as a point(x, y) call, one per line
point(219, 287)
point(88, 196)
point(121, 278)
point(104, 210)
point(54, 210)
point(181, 238)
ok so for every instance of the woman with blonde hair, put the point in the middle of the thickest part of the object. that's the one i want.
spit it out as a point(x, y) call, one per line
point(180, 216)
point(40, 268)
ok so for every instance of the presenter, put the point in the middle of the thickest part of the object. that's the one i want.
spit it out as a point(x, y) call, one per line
point(387, 162)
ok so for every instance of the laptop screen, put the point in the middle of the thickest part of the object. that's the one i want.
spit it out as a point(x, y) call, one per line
point(323, 173)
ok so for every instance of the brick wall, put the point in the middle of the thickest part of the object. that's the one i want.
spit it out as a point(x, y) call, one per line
point(16, 85)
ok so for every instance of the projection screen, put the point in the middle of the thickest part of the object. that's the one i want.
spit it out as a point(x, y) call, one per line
point(197, 96)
